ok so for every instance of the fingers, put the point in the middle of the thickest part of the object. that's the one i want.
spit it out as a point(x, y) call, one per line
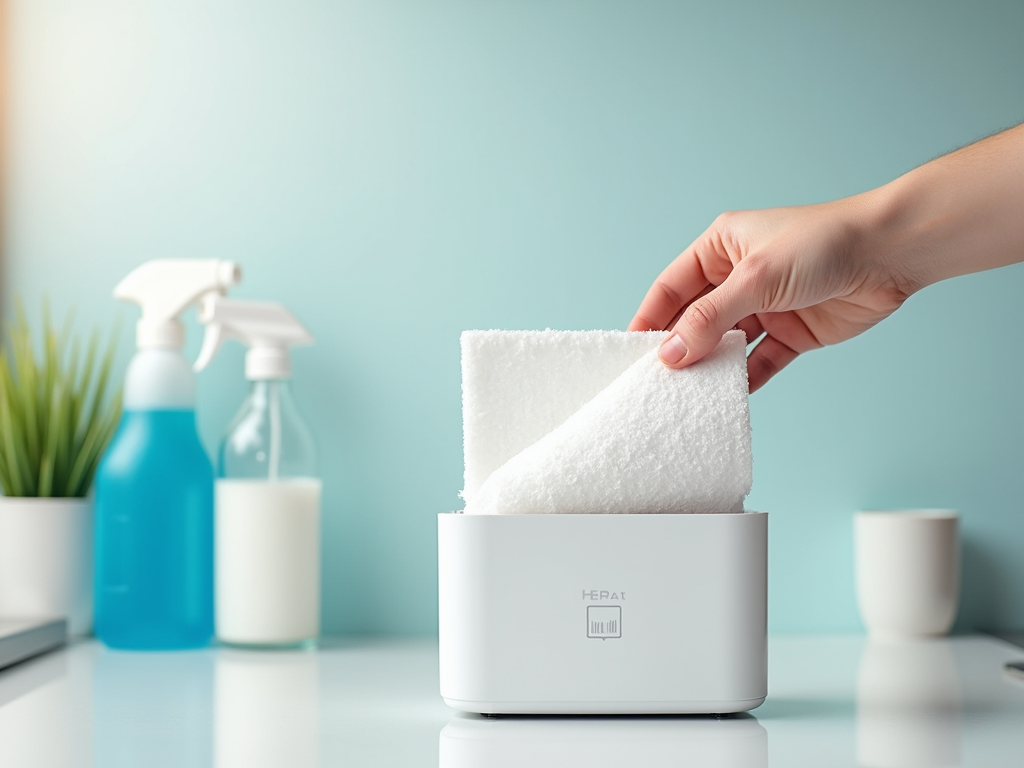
point(706, 320)
point(768, 358)
point(680, 282)
point(751, 327)
point(787, 336)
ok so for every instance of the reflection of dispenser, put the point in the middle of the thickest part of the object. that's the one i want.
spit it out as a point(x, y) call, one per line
point(734, 742)
point(908, 705)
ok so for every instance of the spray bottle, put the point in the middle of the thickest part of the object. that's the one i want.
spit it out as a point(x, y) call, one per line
point(267, 499)
point(154, 485)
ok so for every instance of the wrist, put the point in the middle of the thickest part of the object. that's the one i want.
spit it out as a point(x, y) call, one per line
point(952, 216)
point(893, 237)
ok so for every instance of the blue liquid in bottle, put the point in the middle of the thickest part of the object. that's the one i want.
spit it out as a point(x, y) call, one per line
point(154, 535)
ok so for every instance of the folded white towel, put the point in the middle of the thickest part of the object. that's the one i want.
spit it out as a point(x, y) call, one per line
point(561, 422)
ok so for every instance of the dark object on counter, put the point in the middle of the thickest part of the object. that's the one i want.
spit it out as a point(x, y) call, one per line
point(22, 639)
point(1015, 638)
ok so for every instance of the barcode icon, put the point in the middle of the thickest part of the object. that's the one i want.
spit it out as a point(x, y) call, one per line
point(598, 628)
point(604, 621)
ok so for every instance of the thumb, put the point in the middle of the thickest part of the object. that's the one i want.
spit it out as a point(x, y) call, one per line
point(704, 322)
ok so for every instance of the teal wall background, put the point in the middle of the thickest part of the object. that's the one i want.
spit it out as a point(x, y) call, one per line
point(397, 172)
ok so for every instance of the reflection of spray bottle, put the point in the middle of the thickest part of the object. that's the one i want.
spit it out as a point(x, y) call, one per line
point(267, 491)
point(154, 485)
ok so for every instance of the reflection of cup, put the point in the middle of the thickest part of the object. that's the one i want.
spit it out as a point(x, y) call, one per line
point(908, 705)
point(908, 571)
point(606, 742)
point(266, 709)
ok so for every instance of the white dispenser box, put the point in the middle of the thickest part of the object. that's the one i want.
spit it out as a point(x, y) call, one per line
point(603, 614)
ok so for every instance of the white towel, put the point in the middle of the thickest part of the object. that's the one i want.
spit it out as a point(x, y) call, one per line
point(573, 422)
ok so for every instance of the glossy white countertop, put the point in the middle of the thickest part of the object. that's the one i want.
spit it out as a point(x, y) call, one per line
point(833, 701)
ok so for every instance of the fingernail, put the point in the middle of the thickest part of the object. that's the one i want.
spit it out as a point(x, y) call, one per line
point(672, 350)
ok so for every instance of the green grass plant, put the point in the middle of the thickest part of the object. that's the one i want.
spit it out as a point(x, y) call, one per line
point(56, 413)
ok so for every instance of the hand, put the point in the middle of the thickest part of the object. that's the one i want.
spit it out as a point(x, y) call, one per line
point(797, 278)
point(801, 278)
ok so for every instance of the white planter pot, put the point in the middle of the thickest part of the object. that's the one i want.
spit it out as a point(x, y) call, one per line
point(46, 559)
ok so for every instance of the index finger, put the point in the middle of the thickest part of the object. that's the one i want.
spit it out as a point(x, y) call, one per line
point(680, 282)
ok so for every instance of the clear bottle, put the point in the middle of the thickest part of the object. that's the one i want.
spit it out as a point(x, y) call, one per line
point(268, 438)
point(154, 484)
point(267, 497)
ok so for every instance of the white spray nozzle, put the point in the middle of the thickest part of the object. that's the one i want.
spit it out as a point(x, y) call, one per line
point(267, 329)
point(164, 288)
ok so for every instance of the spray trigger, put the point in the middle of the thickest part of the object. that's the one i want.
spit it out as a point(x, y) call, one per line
point(212, 341)
point(267, 329)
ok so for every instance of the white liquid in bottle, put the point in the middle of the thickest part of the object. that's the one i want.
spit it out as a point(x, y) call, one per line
point(268, 561)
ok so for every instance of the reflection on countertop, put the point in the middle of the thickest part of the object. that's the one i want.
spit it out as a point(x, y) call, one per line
point(266, 709)
point(832, 701)
point(145, 710)
point(735, 741)
point(909, 705)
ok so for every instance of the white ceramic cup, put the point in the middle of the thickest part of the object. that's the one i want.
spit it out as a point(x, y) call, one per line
point(908, 571)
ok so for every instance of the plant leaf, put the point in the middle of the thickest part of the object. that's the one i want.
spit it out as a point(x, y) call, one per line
point(82, 389)
point(8, 468)
point(24, 407)
point(92, 452)
point(55, 417)
point(19, 467)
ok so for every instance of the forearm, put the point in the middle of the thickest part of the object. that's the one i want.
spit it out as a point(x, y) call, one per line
point(960, 213)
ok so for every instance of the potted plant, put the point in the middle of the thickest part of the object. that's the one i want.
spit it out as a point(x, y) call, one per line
point(56, 418)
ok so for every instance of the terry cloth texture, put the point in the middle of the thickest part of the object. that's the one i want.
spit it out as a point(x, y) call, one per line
point(591, 422)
